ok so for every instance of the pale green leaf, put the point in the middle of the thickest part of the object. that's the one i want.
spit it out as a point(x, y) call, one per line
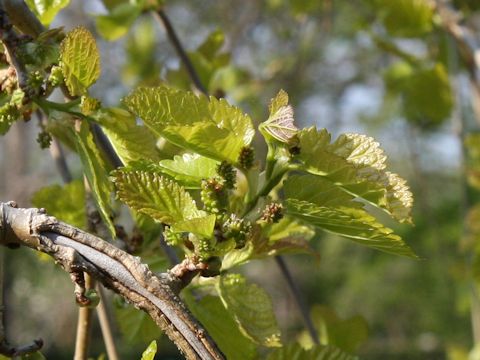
point(137, 327)
point(319, 352)
point(350, 222)
point(66, 203)
point(80, 61)
point(150, 351)
point(356, 163)
point(209, 127)
point(345, 334)
point(221, 326)
point(132, 142)
point(252, 309)
point(117, 23)
point(46, 10)
point(154, 195)
point(189, 169)
point(96, 173)
point(202, 226)
point(212, 44)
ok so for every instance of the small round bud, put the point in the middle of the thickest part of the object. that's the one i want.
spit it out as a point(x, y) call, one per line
point(44, 139)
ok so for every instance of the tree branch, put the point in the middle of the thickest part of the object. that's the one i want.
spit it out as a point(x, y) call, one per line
point(182, 54)
point(76, 250)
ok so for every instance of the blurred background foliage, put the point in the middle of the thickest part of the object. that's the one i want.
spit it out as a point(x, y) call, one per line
point(395, 70)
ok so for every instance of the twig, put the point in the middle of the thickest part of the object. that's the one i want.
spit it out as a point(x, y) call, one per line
point(104, 321)
point(172, 36)
point(10, 40)
point(22, 17)
point(77, 251)
point(160, 14)
point(84, 326)
point(297, 295)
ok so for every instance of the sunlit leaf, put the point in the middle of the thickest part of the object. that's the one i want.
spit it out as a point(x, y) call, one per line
point(46, 10)
point(319, 352)
point(66, 203)
point(131, 141)
point(209, 127)
point(96, 173)
point(220, 324)
point(189, 169)
point(252, 309)
point(154, 195)
point(80, 61)
point(356, 163)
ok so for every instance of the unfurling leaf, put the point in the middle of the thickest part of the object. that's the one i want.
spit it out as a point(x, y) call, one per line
point(80, 61)
point(356, 164)
point(154, 195)
point(251, 308)
point(280, 124)
point(209, 127)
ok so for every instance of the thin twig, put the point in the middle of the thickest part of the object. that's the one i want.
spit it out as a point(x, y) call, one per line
point(84, 326)
point(105, 322)
point(297, 295)
point(182, 54)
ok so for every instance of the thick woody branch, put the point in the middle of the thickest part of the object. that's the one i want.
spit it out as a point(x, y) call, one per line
point(76, 251)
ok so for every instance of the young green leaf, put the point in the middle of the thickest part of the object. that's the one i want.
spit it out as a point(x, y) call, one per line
point(189, 169)
point(220, 324)
point(154, 195)
point(209, 127)
point(46, 10)
point(80, 61)
point(288, 228)
point(96, 173)
point(132, 142)
point(319, 352)
point(150, 351)
point(252, 309)
point(66, 203)
point(356, 164)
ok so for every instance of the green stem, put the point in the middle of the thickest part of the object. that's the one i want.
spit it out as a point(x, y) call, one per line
point(47, 105)
point(266, 188)
point(271, 161)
